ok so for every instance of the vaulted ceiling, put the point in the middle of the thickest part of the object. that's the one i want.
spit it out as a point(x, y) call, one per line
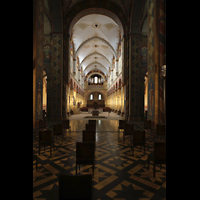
point(96, 38)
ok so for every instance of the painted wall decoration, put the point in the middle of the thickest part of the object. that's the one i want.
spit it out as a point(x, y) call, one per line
point(144, 56)
point(151, 60)
point(39, 99)
point(151, 99)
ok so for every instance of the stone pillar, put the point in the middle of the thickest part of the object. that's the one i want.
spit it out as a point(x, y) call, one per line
point(38, 45)
point(116, 67)
point(56, 77)
point(134, 77)
point(111, 76)
point(125, 76)
point(79, 75)
point(122, 99)
point(74, 66)
point(34, 60)
point(153, 62)
point(162, 47)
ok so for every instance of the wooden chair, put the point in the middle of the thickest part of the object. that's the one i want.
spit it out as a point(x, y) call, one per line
point(138, 140)
point(91, 121)
point(90, 127)
point(158, 156)
point(160, 130)
point(85, 154)
point(45, 139)
point(121, 126)
point(75, 187)
point(89, 136)
point(128, 130)
point(57, 130)
point(147, 125)
point(65, 124)
point(39, 125)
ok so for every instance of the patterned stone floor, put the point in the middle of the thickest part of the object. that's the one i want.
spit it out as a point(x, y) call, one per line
point(118, 175)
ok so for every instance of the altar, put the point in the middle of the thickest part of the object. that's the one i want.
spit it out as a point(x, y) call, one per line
point(90, 111)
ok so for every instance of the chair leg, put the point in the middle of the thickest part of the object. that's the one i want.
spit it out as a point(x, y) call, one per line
point(144, 149)
point(148, 162)
point(39, 149)
point(154, 169)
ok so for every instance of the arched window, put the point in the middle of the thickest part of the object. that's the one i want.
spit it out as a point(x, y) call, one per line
point(95, 79)
point(91, 97)
point(99, 97)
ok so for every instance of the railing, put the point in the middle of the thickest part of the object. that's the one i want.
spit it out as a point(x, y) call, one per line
point(91, 87)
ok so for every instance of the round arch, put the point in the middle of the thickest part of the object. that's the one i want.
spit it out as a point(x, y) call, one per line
point(95, 72)
point(97, 64)
point(113, 11)
point(95, 53)
point(98, 38)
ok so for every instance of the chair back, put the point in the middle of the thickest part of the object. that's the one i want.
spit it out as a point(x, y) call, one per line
point(122, 124)
point(160, 151)
point(89, 136)
point(147, 124)
point(138, 137)
point(41, 124)
point(128, 127)
point(92, 121)
point(65, 123)
point(85, 150)
point(160, 129)
point(45, 136)
point(57, 128)
point(75, 187)
point(90, 127)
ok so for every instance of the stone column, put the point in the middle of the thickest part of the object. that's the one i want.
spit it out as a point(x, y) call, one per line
point(74, 66)
point(116, 67)
point(162, 48)
point(153, 62)
point(56, 77)
point(111, 76)
point(122, 103)
point(134, 77)
point(38, 59)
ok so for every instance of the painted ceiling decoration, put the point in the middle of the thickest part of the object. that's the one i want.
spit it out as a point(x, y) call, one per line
point(96, 39)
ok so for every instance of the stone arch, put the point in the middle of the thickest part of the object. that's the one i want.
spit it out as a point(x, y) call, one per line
point(93, 38)
point(56, 16)
point(94, 64)
point(136, 14)
point(95, 53)
point(95, 72)
point(103, 7)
